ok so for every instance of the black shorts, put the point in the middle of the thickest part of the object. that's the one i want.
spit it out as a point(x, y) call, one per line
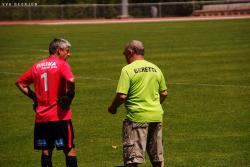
point(48, 135)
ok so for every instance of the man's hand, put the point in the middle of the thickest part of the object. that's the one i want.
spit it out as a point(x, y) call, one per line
point(35, 104)
point(32, 95)
point(64, 102)
point(163, 96)
point(112, 110)
point(119, 99)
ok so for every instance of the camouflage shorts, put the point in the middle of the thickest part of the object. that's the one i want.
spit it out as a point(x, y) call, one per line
point(139, 137)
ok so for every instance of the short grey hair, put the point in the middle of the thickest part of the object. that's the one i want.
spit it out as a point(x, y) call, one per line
point(58, 43)
point(135, 47)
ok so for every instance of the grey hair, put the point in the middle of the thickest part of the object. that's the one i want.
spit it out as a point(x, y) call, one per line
point(135, 47)
point(58, 43)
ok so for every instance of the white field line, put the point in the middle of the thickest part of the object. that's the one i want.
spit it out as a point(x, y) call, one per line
point(80, 77)
point(9, 73)
point(94, 78)
point(43, 50)
point(39, 50)
point(210, 85)
point(109, 79)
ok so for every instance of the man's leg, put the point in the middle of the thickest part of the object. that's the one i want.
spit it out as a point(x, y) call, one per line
point(71, 160)
point(46, 158)
point(43, 142)
point(134, 143)
point(155, 144)
point(65, 141)
point(158, 164)
point(132, 165)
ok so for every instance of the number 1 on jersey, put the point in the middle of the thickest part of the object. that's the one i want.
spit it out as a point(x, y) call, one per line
point(45, 77)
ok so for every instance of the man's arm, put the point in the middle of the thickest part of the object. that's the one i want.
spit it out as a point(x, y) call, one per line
point(163, 95)
point(27, 91)
point(66, 100)
point(71, 89)
point(118, 100)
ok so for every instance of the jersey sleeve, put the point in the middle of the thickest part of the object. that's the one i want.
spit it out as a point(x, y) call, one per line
point(26, 78)
point(66, 72)
point(162, 83)
point(123, 83)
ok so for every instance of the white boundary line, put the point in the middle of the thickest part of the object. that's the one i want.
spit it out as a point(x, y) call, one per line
point(10, 73)
point(37, 50)
point(210, 85)
point(185, 84)
point(95, 78)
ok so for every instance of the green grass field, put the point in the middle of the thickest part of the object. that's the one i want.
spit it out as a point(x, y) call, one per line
point(207, 68)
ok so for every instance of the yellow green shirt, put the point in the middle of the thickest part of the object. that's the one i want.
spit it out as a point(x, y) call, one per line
point(142, 81)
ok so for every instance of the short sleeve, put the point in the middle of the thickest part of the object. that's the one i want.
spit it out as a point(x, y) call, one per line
point(123, 83)
point(66, 72)
point(162, 83)
point(25, 79)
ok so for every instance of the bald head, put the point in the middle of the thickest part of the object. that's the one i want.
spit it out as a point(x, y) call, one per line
point(134, 47)
point(134, 50)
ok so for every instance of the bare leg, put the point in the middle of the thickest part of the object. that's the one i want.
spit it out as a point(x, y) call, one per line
point(70, 155)
point(46, 158)
point(132, 165)
point(158, 164)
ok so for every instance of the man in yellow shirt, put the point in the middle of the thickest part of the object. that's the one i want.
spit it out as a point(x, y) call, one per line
point(142, 88)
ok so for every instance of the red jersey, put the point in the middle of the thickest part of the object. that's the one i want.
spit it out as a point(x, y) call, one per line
point(50, 77)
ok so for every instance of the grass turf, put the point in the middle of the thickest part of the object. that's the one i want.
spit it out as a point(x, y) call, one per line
point(206, 65)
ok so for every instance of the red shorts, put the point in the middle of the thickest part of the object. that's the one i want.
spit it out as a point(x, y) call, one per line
point(48, 135)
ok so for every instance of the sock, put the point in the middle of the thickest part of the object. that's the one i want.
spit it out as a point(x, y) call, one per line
point(46, 161)
point(71, 161)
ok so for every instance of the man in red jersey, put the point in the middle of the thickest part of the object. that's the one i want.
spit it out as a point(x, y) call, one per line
point(54, 86)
